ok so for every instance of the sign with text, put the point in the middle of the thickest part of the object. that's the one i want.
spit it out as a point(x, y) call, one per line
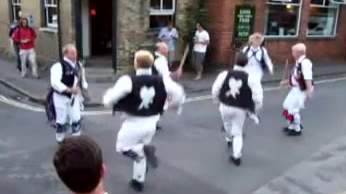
point(244, 22)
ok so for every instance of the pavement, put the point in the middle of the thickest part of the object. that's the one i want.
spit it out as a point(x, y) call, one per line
point(193, 156)
point(100, 79)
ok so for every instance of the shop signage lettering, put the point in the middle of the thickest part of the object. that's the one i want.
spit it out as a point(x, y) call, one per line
point(244, 22)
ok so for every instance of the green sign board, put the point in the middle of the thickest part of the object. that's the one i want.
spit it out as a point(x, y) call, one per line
point(244, 22)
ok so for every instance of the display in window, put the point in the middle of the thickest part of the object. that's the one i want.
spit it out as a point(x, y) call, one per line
point(282, 20)
point(322, 21)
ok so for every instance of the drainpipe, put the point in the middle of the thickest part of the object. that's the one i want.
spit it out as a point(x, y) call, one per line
point(115, 35)
point(59, 29)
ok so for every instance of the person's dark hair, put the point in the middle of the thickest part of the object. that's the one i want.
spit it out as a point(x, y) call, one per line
point(78, 163)
point(241, 59)
point(24, 19)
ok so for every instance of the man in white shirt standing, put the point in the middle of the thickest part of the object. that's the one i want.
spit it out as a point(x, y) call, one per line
point(169, 35)
point(65, 78)
point(201, 42)
point(301, 82)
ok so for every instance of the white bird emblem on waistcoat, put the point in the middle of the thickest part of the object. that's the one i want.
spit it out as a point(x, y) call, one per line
point(234, 86)
point(147, 95)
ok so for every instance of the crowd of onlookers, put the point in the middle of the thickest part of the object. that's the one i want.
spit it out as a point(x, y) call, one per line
point(169, 34)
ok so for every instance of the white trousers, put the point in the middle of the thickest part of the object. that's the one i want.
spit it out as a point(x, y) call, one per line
point(28, 55)
point(233, 120)
point(135, 132)
point(293, 103)
point(66, 112)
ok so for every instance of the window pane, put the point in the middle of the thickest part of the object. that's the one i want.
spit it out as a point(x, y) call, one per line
point(155, 4)
point(55, 2)
point(16, 12)
point(322, 21)
point(167, 4)
point(284, 1)
point(159, 21)
point(318, 2)
point(52, 16)
point(282, 20)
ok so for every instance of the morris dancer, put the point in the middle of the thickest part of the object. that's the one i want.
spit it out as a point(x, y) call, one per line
point(238, 95)
point(161, 66)
point(142, 97)
point(66, 91)
point(301, 82)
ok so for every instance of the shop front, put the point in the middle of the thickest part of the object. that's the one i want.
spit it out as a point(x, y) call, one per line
point(320, 24)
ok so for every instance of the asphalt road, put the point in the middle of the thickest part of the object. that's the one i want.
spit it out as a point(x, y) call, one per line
point(194, 157)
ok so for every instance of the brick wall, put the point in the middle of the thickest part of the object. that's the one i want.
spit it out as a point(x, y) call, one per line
point(221, 28)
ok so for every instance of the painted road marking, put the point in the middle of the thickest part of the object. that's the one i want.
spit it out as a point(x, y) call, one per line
point(104, 112)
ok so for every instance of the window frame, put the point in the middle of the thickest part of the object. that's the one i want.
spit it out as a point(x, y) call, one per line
point(335, 6)
point(283, 3)
point(46, 7)
point(162, 11)
point(14, 4)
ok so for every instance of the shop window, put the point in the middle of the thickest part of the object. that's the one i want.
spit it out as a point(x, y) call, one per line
point(282, 18)
point(322, 18)
point(51, 13)
point(161, 12)
point(16, 9)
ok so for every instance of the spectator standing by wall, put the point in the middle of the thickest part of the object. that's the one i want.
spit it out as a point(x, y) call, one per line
point(25, 36)
point(169, 34)
point(15, 45)
point(201, 42)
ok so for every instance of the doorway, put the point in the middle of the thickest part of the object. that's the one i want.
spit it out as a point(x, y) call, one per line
point(100, 27)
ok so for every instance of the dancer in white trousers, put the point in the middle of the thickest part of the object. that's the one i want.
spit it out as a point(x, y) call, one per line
point(142, 97)
point(65, 78)
point(161, 66)
point(301, 83)
point(238, 95)
point(259, 61)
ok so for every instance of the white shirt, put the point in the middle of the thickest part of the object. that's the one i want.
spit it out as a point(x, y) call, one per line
point(201, 36)
point(254, 57)
point(56, 76)
point(306, 70)
point(255, 86)
point(124, 86)
point(161, 65)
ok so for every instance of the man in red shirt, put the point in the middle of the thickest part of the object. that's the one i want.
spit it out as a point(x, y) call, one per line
point(25, 36)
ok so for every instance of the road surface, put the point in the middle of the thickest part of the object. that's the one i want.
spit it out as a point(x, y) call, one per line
point(193, 155)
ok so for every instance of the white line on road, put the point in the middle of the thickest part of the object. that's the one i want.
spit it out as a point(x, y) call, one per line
point(104, 112)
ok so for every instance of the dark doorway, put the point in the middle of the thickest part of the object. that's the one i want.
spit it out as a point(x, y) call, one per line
point(101, 27)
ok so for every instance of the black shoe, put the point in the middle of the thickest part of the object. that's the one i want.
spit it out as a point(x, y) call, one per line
point(294, 133)
point(229, 144)
point(285, 129)
point(235, 161)
point(136, 185)
point(149, 151)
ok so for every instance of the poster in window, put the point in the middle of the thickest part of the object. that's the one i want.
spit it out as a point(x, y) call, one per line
point(244, 22)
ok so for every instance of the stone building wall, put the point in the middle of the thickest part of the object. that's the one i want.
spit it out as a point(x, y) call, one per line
point(47, 38)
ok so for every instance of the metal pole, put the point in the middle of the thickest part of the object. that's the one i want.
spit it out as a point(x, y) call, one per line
point(114, 35)
point(59, 30)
